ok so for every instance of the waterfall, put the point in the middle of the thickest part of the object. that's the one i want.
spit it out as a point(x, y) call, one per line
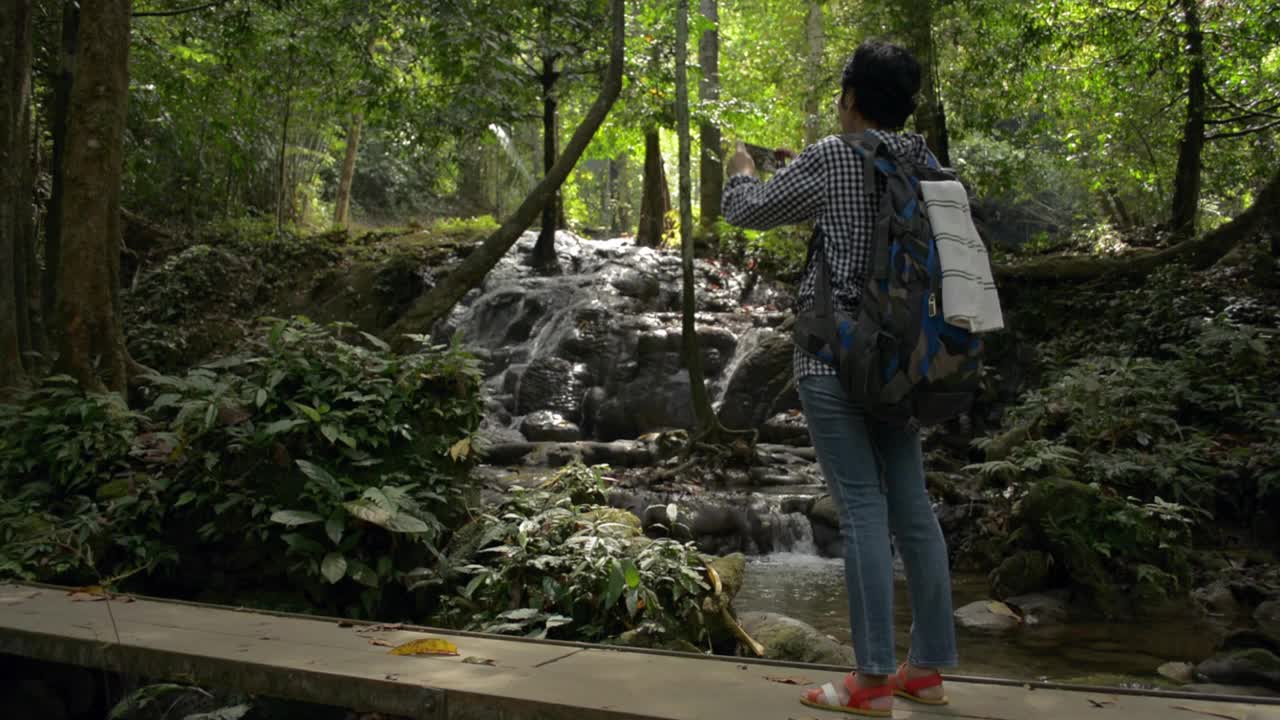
point(790, 532)
point(509, 149)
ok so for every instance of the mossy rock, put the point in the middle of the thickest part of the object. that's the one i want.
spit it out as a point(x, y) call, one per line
point(732, 571)
point(1020, 574)
point(789, 639)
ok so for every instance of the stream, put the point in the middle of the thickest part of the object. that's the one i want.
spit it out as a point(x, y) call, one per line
point(811, 589)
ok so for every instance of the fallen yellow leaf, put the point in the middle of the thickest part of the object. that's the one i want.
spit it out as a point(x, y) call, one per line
point(460, 449)
point(999, 608)
point(427, 646)
point(715, 580)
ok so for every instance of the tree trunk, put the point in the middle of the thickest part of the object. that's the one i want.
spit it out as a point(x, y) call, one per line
point(1199, 253)
point(61, 83)
point(15, 193)
point(282, 194)
point(92, 342)
point(436, 303)
point(655, 203)
point(816, 41)
point(544, 252)
point(1186, 183)
point(931, 119)
point(711, 167)
point(692, 349)
point(342, 204)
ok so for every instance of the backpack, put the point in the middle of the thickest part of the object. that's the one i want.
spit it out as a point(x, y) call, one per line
point(898, 358)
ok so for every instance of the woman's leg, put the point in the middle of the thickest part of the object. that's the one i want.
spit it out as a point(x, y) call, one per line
point(923, 548)
point(844, 450)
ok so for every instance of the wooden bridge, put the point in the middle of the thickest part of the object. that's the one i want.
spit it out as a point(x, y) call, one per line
point(344, 664)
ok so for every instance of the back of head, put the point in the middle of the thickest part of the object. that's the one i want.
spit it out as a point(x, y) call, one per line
point(885, 79)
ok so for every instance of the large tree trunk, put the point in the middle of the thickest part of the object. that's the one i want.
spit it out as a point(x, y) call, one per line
point(692, 349)
point(816, 40)
point(655, 202)
point(342, 204)
point(711, 167)
point(1199, 253)
point(931, 118)
point(1186, 183)
point(92, 342)
point(61, 82)
point(15, 193)
point(544, 252)
point(436, 303)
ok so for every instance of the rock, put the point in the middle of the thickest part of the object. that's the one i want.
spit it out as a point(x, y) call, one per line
point(1267, 615)
point(1021, 573)
point(550, 383)
point(789, 639)
point(1221, 689)
point(798, 504)
point(1249, 639)
point(1041, 608)
point(977, 616)
point(755, 390)
point(545, 425)
point(1179, 672)
point(786, 428)
point(1217, 599)
point(732, 570)
point(824, 511)
point(1243, 667)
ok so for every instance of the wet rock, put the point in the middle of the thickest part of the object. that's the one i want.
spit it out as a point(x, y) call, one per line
point(1041, 608)
point(507, 453)
point(789, 639)
point(1217, 599)
point(1243, 667)
point(1179, 672)
point(550, 383)
point(824, 511)
point(786, 428)
point(638, 284)
point(732, 570)
point(977, 616)
point(825, 519)
point(754, 391)
point(1249, 639)
point(799, 504)
point(1267, 615)
point(1021, 573)
point(545, 425)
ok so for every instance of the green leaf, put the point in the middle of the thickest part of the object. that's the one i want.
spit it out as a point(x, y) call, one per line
point(632, 573)
point(335, 526)
point(362, 573)
point(472, 586)
point(329, 432)
point(294, 518)
point(320, 476)
point(261, 398)
point(309, 411)
point(282, 426)
point(376, 341)
point(617, 581)
point(235, 712)
point(333, 567)
point(520, 614)
point(406, 523)
point(370, 512)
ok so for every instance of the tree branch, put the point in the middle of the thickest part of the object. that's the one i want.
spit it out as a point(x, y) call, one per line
point(180, 11)
point(1242, 133)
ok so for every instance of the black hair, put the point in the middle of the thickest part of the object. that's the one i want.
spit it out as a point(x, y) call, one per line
point(885, 79)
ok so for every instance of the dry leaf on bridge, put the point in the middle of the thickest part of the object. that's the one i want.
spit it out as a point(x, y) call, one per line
point(789, 680)
point(426, 646)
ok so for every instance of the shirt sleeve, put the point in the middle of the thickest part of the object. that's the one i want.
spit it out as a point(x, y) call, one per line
point(794, 195)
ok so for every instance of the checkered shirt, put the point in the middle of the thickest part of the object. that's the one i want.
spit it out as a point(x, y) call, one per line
point(824, 185)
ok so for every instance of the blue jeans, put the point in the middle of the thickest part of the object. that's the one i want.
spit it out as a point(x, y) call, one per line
point(853, 450)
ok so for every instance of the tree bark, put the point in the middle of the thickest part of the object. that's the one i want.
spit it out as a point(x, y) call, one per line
point(931, 118)
point(816, 40)
point(655, 202)
point(1199, 253)
point(342, 204)
point(61, 83)
point(436, 303)
point(544, 252)
point(92, 341)
point(283, 196)
point(692, 349)
point(711, 167)
point(15, 193)
point(1186, 182)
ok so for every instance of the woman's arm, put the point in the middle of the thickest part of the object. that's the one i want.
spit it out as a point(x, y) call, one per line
point(795, 194)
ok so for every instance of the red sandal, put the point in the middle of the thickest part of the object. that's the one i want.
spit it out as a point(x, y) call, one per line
point(859, 703)
point(910, 688)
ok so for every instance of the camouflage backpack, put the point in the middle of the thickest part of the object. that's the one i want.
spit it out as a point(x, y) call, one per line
point(898, 357)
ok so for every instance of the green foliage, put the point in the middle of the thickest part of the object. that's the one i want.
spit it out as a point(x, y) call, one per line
point(552, 561)
point(778, 253)
point(313, 458)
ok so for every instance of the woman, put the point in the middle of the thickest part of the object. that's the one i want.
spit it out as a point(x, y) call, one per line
point(825, 185)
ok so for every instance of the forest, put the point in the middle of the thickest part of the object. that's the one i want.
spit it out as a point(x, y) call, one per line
point(427, 312)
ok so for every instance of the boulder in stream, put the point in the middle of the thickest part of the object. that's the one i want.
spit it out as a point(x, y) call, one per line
point(1255, 666)
point(979, 617)
point(789, 639)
